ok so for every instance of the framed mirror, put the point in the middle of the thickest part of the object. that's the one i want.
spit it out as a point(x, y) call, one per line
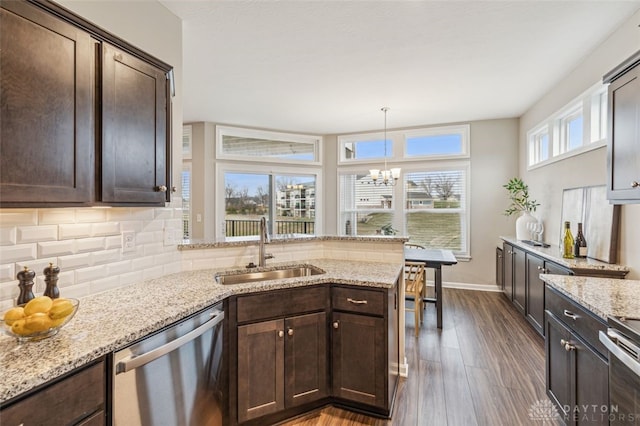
point(600, 220)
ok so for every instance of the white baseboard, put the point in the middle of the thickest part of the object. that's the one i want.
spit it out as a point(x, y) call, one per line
point(467, 286)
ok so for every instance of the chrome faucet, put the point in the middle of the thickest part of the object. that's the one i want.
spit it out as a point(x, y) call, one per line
point(264, 239)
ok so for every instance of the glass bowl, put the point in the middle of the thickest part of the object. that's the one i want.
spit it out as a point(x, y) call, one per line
point(57, 324)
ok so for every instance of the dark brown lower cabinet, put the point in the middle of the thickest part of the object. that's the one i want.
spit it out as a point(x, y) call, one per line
point(500, 268)
point(358, 353)
point(577, 376)
point(75, 399)
point(536, 265)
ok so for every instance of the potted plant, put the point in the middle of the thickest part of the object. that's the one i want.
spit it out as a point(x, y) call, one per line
point(520, 203)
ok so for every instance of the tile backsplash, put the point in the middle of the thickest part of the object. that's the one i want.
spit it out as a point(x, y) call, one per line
point(86, 243)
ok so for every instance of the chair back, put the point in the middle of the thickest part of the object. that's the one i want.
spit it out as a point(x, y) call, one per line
point(413, 276)
point(413, 246)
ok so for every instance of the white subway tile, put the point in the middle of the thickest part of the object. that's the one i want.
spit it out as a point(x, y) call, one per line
point(56, 248)
point(78, 290)
point(163, 213)
point(153, 225)
point(8, 235)
point(65, 279)
point(119, 214)
point(6, 304)
point(118, 268)
point(187, 265)
point(104, 284)
point(154, 272)
point(36, 265)
point(84, 245)
point(75, 261)
point(163, 258)
point(172, 268)
point(9, 291)
point(153, 248)
point(9, 217)
point(113, 242)
point(145, 238)
point(132, 225)
point(34, 234)
point(56, 216)
point(131, 278)
point(105, 228)
point(88, 215)
point(173, 223)
point(142, 213)
point(75, 230)
point(92, 273)
point(20, 252)
point(142, 263)
point(7, 272)
point(106, 256)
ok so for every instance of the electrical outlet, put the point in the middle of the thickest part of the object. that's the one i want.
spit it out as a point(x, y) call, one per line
point(128, 241)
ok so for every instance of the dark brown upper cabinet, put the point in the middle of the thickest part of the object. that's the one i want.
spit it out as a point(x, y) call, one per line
point(47, 113)
point(85, 117)
point(134, 129)
point(623, 145)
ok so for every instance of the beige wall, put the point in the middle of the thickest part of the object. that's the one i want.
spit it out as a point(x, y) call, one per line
point(547, 183)
point(85, 242)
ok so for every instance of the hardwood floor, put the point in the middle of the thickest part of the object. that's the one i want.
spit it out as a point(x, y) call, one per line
point(485, 367)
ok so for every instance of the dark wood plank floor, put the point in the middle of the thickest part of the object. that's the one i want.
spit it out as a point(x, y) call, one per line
point(485, 367)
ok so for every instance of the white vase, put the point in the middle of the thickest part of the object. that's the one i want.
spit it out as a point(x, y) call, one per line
point(522, 232)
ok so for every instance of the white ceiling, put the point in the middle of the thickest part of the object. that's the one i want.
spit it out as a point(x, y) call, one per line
point(329, 66)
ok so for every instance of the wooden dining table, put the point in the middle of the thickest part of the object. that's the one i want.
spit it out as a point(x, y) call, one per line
point(434, 259)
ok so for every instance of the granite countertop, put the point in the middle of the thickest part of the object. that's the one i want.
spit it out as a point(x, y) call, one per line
point(286, 239)
point(553, 253)
point(108, 321)
point(602, 296)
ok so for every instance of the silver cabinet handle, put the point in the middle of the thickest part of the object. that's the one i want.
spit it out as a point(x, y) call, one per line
point(280, 333)
point(174, 189)
point(290, 332)
point(635, 184)
point(569, 347)
point(161, 188)
point(356, 302)
point(336, 324)
point(134, 361)
point(570, 315)
point(563, 342)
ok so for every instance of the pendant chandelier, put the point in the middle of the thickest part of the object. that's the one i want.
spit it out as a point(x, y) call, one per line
point(387, 177)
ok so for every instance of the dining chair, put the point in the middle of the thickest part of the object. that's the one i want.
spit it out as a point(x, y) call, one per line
point(424, 275)
point(413, 288)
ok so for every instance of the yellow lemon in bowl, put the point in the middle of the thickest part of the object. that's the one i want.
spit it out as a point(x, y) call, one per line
point(60, 309)
point(39, 321)
point(40, 304)
point(13, 314)
point(18, 327)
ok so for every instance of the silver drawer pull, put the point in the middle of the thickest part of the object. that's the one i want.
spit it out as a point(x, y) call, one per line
point(635, 184)
point(356, 302)
point(570, 315)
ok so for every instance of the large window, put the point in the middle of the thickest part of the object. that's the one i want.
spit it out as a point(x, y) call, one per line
point(578, 127)
point(429, 202)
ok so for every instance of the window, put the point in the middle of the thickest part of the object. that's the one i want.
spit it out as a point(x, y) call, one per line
point(366, 149)
point(429, 202)
point(186, 200)
point(436, 208)
point(578, 127)
point(288, 202)
point(266, 146)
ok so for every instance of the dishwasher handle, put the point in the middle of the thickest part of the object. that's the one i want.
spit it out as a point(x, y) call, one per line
point(134, 361)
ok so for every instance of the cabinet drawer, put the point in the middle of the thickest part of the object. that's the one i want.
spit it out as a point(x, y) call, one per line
point(358, 300)
point(281, 303)
point(577, 318)
point(65, 402)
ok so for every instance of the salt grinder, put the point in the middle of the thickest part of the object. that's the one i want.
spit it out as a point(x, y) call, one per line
point(26, 284)
point(51, 279)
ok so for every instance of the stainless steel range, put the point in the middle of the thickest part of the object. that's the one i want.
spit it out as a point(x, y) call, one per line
point(623, 342)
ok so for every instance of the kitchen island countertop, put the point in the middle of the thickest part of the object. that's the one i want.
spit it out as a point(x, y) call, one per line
point(111, 320)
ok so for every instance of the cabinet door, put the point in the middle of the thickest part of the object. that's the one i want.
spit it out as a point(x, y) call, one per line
point(623, 147)
point(359, 358)
point(558, 363)
point(260, 369)
point(519, 279)
point(535, 292)
point(46, 109)
point(591, 384)
point(134, 130)
point(499, 268)
point(305, 359)
point(508, 270)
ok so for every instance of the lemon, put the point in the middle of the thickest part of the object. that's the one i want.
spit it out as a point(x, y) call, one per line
point(39, 321)
point(40, 304)
point(13, 314)
point(60, 309)
point(18, 327)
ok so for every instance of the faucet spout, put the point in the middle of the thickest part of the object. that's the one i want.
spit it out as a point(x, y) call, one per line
point(264, 239)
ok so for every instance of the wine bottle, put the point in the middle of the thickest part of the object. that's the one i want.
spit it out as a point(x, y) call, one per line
point(580, 244)
point(567, 242)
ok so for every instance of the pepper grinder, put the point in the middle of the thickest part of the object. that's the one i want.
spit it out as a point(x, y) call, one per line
point(26, 284)
point(51, 279)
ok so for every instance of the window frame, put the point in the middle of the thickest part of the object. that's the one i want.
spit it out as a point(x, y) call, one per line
point(463, 130)
point(315, 141)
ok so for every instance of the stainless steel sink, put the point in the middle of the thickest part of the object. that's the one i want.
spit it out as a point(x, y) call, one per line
point(277, 274)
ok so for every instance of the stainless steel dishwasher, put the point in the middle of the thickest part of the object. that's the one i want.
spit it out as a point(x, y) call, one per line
point(174, 377)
